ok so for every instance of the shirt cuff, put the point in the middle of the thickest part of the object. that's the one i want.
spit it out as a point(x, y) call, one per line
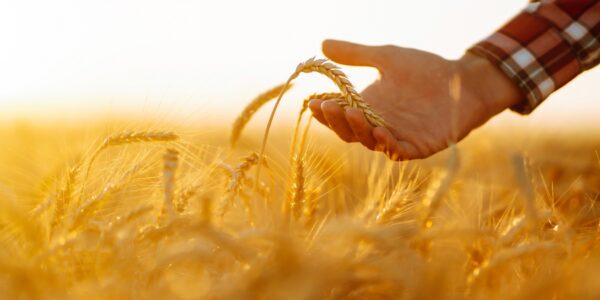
point(543, 48)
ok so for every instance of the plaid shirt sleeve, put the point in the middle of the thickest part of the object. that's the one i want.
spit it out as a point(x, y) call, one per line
point(545, 46)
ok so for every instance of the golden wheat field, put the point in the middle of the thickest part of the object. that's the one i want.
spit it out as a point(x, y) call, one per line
point(156, 211)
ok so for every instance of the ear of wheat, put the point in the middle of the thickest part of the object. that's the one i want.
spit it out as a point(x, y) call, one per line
point(349, 95)
point(237, 178)
point(296, 186)
point(131, 137)
point(251, 109)
point(64, 197)
point(185, 195)
point(298, 176)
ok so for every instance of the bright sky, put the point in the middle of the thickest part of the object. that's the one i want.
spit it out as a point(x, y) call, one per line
point(206, 59)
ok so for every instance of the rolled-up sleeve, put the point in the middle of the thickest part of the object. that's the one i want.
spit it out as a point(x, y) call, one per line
point(545, 46)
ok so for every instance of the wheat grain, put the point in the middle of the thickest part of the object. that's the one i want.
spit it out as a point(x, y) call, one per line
point(240, 122)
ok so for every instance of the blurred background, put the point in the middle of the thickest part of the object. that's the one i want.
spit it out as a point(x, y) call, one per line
point(204, 60)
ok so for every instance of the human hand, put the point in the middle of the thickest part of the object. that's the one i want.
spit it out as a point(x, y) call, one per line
point(428, 102)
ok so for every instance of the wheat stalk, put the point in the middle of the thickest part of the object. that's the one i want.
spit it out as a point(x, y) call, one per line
point(349, 95)
point(526, 188)
point(170, 162)
point(251, 109)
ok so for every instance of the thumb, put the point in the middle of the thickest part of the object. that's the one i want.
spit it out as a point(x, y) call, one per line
point(352, 54)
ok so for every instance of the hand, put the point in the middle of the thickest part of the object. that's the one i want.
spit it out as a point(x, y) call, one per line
point(428, 102)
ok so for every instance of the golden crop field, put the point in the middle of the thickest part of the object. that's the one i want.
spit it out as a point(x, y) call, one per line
point(152, 210)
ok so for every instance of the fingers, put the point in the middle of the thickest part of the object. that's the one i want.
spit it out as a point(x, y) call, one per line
point(361, 127)
point(351, 125)
point(336, 118)
point(315, 108)
point(330, 114)
point(350, 54)
point(394, 149)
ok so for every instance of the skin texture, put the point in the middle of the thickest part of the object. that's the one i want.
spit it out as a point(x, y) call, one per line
point(427, 101)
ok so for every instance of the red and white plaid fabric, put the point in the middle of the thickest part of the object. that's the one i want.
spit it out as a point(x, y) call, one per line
point(545, 46)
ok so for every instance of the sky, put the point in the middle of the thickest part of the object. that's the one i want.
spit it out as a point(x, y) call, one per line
point(206, 59)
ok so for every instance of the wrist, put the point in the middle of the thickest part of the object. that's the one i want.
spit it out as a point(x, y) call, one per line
point(488, 83)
